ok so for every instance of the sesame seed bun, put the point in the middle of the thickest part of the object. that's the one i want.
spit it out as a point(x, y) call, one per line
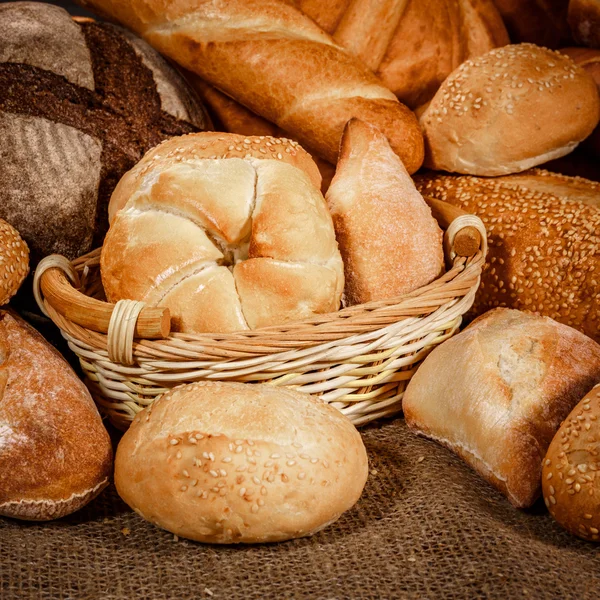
point(509, 110)
point(14, 261)
point(570, 481)
point(229, 462)
point(544, 242)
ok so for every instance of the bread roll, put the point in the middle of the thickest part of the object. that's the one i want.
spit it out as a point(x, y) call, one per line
point(497, 392)
point(509, 110)
point(412, 45)
point(80, 103)
point(275, 61)
point(55, 455)
point(570, 481)
point(543, 240)
point(14, 261)
point(584, 20)
point(229, 232)
point(389, 241)
point(229, 462)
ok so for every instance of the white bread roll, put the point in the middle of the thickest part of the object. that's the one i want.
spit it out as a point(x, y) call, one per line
point(55, 455)
point(508, 110)
point(229, 462)
point(497, 392)
point(390, 242)
point(14, 261)
point(229, 232)
point(570, 481)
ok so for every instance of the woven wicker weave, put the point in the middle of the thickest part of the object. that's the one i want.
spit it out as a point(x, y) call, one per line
point(359, 359)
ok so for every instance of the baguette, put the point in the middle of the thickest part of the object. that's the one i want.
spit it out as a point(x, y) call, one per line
point(278, 63)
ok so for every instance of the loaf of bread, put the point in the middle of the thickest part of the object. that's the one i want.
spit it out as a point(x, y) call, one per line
point(497, 392)
point(229, 232)
point(584, 20)
point(544, 240)
point(14, 261)
point(412, 45)
point(278, 63)
point(509, 110)
point(390, 242)
point(80, 103)
point(570, 481)
point(541, 22)
point(55, 455)
point(228, 463)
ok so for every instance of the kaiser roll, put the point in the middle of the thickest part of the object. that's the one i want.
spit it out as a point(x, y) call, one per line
point(571, 473)
point(497, 392)
point(80, 103)
point(230, 462)
point(55, 455)
point(229, 232)
point(508, 110)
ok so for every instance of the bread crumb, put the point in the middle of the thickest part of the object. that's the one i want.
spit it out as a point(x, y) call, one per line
point(374, 471)
point(125, 531)
point(420, 459)
point(208, 591)
point(175, 538)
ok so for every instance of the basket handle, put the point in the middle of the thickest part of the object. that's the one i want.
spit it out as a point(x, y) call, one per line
point(53, 284)
point(467, 236)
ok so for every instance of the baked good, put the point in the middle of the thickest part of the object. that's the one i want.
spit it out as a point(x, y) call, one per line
point(584, 20)
point(390, 242)
point(14, 261)
point(275, 61)
point(542, 242)
point(497, 392)
point(589, 59)
point(506, 111)
point(229, 232)
point(570, 481)
point(412, 45)
point(80, 103)
point(230, 462)
point(229, 115)
point(541, 22)
point(55, 455)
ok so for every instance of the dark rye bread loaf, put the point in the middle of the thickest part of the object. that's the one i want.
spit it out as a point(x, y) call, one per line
point(80, 104)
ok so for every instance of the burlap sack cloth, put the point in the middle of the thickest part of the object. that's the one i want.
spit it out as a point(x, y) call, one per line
point(425, 527)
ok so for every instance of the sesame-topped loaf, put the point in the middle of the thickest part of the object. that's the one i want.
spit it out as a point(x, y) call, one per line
point(509, 110)
point(14, 261)
point(544, 242)
point(230, 462)
point(80, 103)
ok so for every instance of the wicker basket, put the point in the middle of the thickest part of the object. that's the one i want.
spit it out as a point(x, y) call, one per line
point(359, 359)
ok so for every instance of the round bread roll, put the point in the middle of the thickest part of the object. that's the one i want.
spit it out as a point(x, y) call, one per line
point(571, 471)
point(55, 454)
point(80, 104)
point(508, 110)
point(229, 462)
point(229, 232)
point(14, 261)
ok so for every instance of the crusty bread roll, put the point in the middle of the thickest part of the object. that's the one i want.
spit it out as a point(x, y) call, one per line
point(229, 232)
point(584, 20)
point(412, 45)
point(14, 261)
point(497, 392)
point(390, 242)
point(509, 110)
point(570, 481)
point(274, 60)
point(230, 462)
point(542, 242)
point(55, 455)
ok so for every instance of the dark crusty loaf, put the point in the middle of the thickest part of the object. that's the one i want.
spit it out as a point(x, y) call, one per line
point(55, 455)
point(80, 103)
point(544, 242)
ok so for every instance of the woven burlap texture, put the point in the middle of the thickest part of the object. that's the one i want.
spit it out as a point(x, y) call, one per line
point(425, 527)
